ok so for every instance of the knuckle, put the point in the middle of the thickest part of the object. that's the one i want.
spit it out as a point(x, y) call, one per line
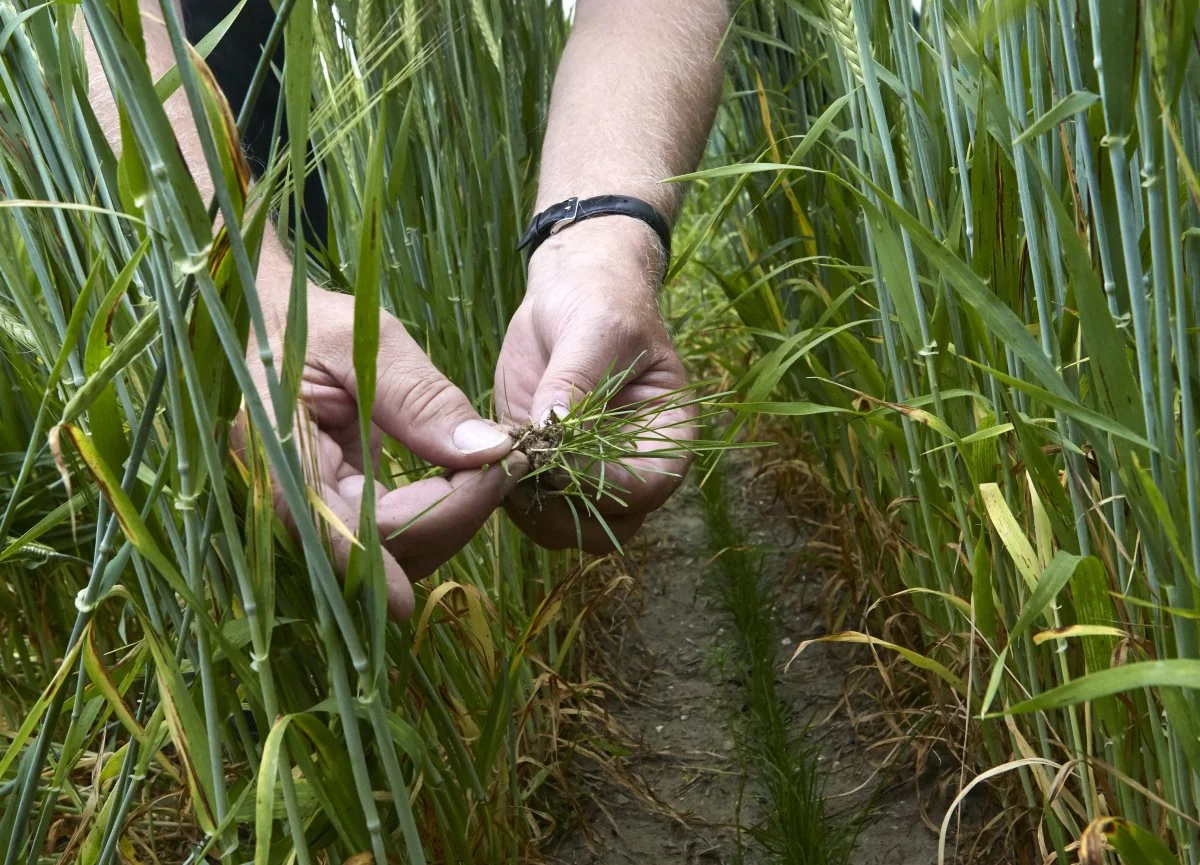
point(622, 328)
point(426, 395)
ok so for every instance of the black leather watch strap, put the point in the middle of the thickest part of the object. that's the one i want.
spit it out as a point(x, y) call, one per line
point(558, 216)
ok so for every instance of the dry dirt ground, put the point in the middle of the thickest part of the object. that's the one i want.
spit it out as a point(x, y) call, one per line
point(680, 707)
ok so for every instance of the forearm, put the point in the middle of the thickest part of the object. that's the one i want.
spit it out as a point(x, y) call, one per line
point(160, 58)
point(634, 99)
point(275, 263)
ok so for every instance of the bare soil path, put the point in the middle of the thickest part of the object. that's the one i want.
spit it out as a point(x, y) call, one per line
point(682, 707)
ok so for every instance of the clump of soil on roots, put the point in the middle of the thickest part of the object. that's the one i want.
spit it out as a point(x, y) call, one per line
point(540, 444)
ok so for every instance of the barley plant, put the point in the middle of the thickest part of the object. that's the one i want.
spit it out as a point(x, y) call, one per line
point(182, 677)
point(965, 239)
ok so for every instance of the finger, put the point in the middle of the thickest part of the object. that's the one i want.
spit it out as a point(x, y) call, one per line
point(240, 433)
point(643, 483)
point(427, 522)
point(343, 497)
point(419, 407)
point(577, 364)
point(350, 440)
point(344, 501)
point(660, 437)
point(325, 457)
point(551, 523)
point(322, 464)
point(351, 488)
point(521, 358)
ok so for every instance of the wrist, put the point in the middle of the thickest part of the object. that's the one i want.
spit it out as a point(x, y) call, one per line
point(613, 243)
point(273, 282)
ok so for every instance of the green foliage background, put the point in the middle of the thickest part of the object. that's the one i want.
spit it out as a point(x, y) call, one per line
point(964, 244)
point(218, 677)
point(961, 248)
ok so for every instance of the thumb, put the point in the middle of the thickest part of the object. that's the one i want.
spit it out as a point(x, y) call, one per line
point(423, 410)
point(573, 371)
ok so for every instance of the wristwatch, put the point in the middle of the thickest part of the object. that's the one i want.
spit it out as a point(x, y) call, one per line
point(556, 217)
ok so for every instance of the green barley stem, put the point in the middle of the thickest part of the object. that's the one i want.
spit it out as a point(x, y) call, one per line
point(928, 349)
point(33, 763)
point(889, 339)
point(259, 635)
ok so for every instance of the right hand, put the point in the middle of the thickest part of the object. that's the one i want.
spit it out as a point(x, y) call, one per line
point(414, 404)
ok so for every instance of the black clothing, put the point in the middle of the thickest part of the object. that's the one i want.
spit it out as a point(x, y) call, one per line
point(233, 62)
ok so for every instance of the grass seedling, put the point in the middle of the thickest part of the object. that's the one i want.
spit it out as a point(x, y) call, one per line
point(589, 457)
point(576, 455)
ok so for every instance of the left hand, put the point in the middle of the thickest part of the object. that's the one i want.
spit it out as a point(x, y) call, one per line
point(590, 308)
point(417, 405)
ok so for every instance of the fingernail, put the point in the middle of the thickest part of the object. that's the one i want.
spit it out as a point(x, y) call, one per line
point(556, 412)
point(473, 436)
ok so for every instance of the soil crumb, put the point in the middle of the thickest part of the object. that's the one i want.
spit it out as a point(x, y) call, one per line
point(539, 442)
point(681, 795)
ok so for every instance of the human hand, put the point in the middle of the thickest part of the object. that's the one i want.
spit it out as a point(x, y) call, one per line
point(414, 404)
point(590, 308)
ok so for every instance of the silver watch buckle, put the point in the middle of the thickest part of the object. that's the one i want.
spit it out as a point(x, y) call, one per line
point(566, 220)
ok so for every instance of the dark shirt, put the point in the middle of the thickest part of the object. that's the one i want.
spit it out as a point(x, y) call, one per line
point(233, 62)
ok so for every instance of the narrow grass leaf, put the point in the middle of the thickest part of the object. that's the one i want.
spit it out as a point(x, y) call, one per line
point(1052, 581)
point(1073, 103)
point(264, 796)
point(1073, 632)
point(914, 658)
point(1170, 673)
point(1011, 534)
